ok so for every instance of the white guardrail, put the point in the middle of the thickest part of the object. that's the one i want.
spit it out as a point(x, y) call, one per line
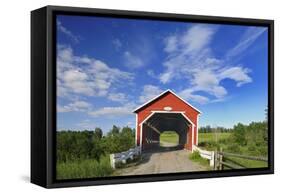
point(210, 155)
point(124, 156)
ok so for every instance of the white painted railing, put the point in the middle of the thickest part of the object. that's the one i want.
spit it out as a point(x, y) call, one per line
point(124, 156)
point(210, 155)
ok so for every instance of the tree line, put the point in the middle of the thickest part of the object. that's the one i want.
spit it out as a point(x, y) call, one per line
point(253, 137)
point(93, 144)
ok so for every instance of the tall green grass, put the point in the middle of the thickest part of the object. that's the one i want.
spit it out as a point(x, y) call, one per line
point(213, 141)
point(225, 141)
point(84, 168)
point(195, 156)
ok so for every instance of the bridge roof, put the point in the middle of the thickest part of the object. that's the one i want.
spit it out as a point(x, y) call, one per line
point(160, 95)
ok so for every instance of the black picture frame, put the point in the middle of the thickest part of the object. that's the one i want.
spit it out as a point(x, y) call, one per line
point(43, 95)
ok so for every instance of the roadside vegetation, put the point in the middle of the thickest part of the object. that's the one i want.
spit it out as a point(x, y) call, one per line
point(250, 140)
point(195, 156)
point(85, 154)
point(86, 168)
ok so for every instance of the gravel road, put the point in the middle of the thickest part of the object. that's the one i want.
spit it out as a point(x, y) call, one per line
point(166, 160)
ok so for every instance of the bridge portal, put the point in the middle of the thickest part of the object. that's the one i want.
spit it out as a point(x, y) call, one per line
point(166, 112)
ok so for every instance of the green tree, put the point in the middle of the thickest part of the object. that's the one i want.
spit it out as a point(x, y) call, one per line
point(98, 132)
point(239, 134)
point(115, 130)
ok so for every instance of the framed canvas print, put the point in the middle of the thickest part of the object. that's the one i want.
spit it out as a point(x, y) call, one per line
point(125, 96)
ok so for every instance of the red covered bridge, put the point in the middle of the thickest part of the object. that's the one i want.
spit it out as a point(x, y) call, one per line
point(166, 112)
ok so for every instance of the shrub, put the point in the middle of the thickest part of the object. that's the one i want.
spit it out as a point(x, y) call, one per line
point(210, 145)
point(234, 148)
point(195, 156)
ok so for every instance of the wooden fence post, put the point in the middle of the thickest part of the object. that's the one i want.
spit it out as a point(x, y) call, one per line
point(212, 161)
point(220, 160)
point(112, 161)
point(215, 160)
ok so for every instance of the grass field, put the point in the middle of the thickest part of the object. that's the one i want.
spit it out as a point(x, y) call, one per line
point(212, 137)
point(169, 137)
point(212, 142)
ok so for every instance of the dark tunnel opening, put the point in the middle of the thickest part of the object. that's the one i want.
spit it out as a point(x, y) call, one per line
point(160, 123)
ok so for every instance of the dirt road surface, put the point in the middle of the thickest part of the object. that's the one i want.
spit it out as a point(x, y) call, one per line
point(164, 161)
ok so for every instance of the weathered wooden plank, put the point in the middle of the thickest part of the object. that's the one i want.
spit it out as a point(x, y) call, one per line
point(243, 156)
point(220, 160)
point(152, 127)
point(231, 165)
point(227, 159)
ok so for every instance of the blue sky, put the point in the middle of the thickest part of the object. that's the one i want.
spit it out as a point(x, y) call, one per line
point(106, 67)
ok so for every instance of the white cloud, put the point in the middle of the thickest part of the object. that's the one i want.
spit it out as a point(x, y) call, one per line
point(118, 97)
point(151, 73)
point(187, 94)
point(246, 40)
point(239, 74)
point(191, 59)
point(205, 79)
point(191, 53)
point(76, 81)
point(132, 61)
point(77, 106)
point(166, 77)
point(117, 44)
point(112, 111)
point(170, 44)
point(74, 75)
point(81, 75)
point(149, 92)
point(64, 30)
point(197, 37)
point(218, 91)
